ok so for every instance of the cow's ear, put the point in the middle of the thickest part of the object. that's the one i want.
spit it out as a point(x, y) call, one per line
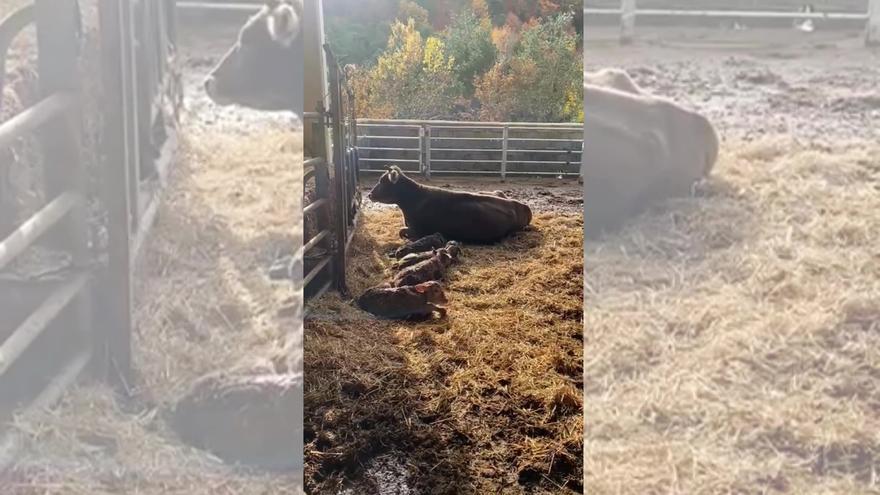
point(393, 175)
point(420, 289)
point(283, 23)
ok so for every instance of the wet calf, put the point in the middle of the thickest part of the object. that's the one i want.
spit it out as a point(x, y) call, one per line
point(433, 268)
point(452, 247)
point(426, 243)
point(414, 301)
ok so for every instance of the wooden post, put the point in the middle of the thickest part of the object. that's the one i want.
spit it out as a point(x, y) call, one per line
point(627, 21)
point(504, 133)
point(428, 152)
point(872, 32)
point(115, 289)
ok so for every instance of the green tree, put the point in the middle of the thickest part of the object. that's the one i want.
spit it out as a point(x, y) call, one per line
point(541, 81)
point(413, 78)
point(356, 42)
point(469, 43)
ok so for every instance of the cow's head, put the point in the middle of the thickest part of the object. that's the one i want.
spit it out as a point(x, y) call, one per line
point(263, 70)
point(390, 186)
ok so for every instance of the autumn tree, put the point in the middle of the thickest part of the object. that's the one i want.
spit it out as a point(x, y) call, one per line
point(413, 78)
point(540, 81)
point(469, 43)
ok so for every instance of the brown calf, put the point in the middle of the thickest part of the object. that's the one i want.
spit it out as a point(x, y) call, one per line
point(419, 300)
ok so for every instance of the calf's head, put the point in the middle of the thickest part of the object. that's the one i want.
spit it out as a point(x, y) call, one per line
point(432, 291)
point(263, 69)
point(391, 187)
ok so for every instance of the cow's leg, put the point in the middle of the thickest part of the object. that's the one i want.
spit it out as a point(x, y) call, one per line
point(441, 310)
point(410, 234)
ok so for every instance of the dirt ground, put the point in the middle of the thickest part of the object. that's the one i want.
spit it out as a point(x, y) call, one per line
point(487, 401)
point(204, 303)
point(731, 338)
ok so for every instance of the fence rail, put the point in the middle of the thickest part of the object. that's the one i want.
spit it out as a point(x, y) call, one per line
point(505, 149)
point(50, 329)
point(629, 12)
point(61, 223)
point(335, 209)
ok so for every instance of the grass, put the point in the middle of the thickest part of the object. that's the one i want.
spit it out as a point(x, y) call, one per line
point(732, 341)
point(488, 401)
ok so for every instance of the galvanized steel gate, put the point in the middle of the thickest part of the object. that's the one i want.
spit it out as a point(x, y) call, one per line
point(143, 96)
point(39, 355)
point(60, 325)
point(335, 209)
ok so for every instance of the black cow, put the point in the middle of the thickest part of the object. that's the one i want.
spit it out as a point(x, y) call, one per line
point(263, 70)
point(459, 215)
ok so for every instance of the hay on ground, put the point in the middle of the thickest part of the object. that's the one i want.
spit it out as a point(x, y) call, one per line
point(204, 303)
point(488, 400)
point(733, 338)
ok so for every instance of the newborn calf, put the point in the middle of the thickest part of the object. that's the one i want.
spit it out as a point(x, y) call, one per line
point(419, 300)
point(426, 243)
point(452, 247)
point(433, 268)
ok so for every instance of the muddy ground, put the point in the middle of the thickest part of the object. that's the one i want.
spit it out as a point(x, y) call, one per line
point(821, 87)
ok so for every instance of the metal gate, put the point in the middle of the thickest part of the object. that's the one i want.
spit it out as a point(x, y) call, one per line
point(39, 354)
point(53, 327)
point(335, 209)
point(143, 95)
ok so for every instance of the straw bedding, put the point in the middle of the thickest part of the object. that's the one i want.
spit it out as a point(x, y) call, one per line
point(733, 338)
point(488, 401)
point(204, 303)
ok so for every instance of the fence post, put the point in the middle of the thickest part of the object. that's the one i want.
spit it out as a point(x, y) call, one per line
point(115, 289)
point(872, 32)
point(627, 21)
point(58, 41)
point(428, 152)
point(504, 133)
point(422, 149)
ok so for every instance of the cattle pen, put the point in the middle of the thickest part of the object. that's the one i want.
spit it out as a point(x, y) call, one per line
point(181, 207)
point(732, 335)
point(485, 400)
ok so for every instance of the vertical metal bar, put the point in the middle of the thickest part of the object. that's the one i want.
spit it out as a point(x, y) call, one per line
point(322, 185)
point(422, 150)
point(504, 132)
point(58, 31)
point(627, 21)
point(872, 31)
point(428, 152)
point(131, 118)
point(340, 221)
point(114, 349)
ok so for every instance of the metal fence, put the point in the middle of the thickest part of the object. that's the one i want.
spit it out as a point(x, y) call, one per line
point(143, 95)
point(58, 330)
point(628, 11)
point(434, 147)
point(335, 209)
point(33, 349)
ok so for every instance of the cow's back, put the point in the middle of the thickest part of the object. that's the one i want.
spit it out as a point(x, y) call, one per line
point(612, 78)
point(468, 216)
point(619, 170)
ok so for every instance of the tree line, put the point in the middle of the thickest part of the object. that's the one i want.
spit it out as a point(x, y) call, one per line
point(488, 60)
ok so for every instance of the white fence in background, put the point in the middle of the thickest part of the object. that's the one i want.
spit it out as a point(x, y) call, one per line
point(629, 11)
point(502, 149)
